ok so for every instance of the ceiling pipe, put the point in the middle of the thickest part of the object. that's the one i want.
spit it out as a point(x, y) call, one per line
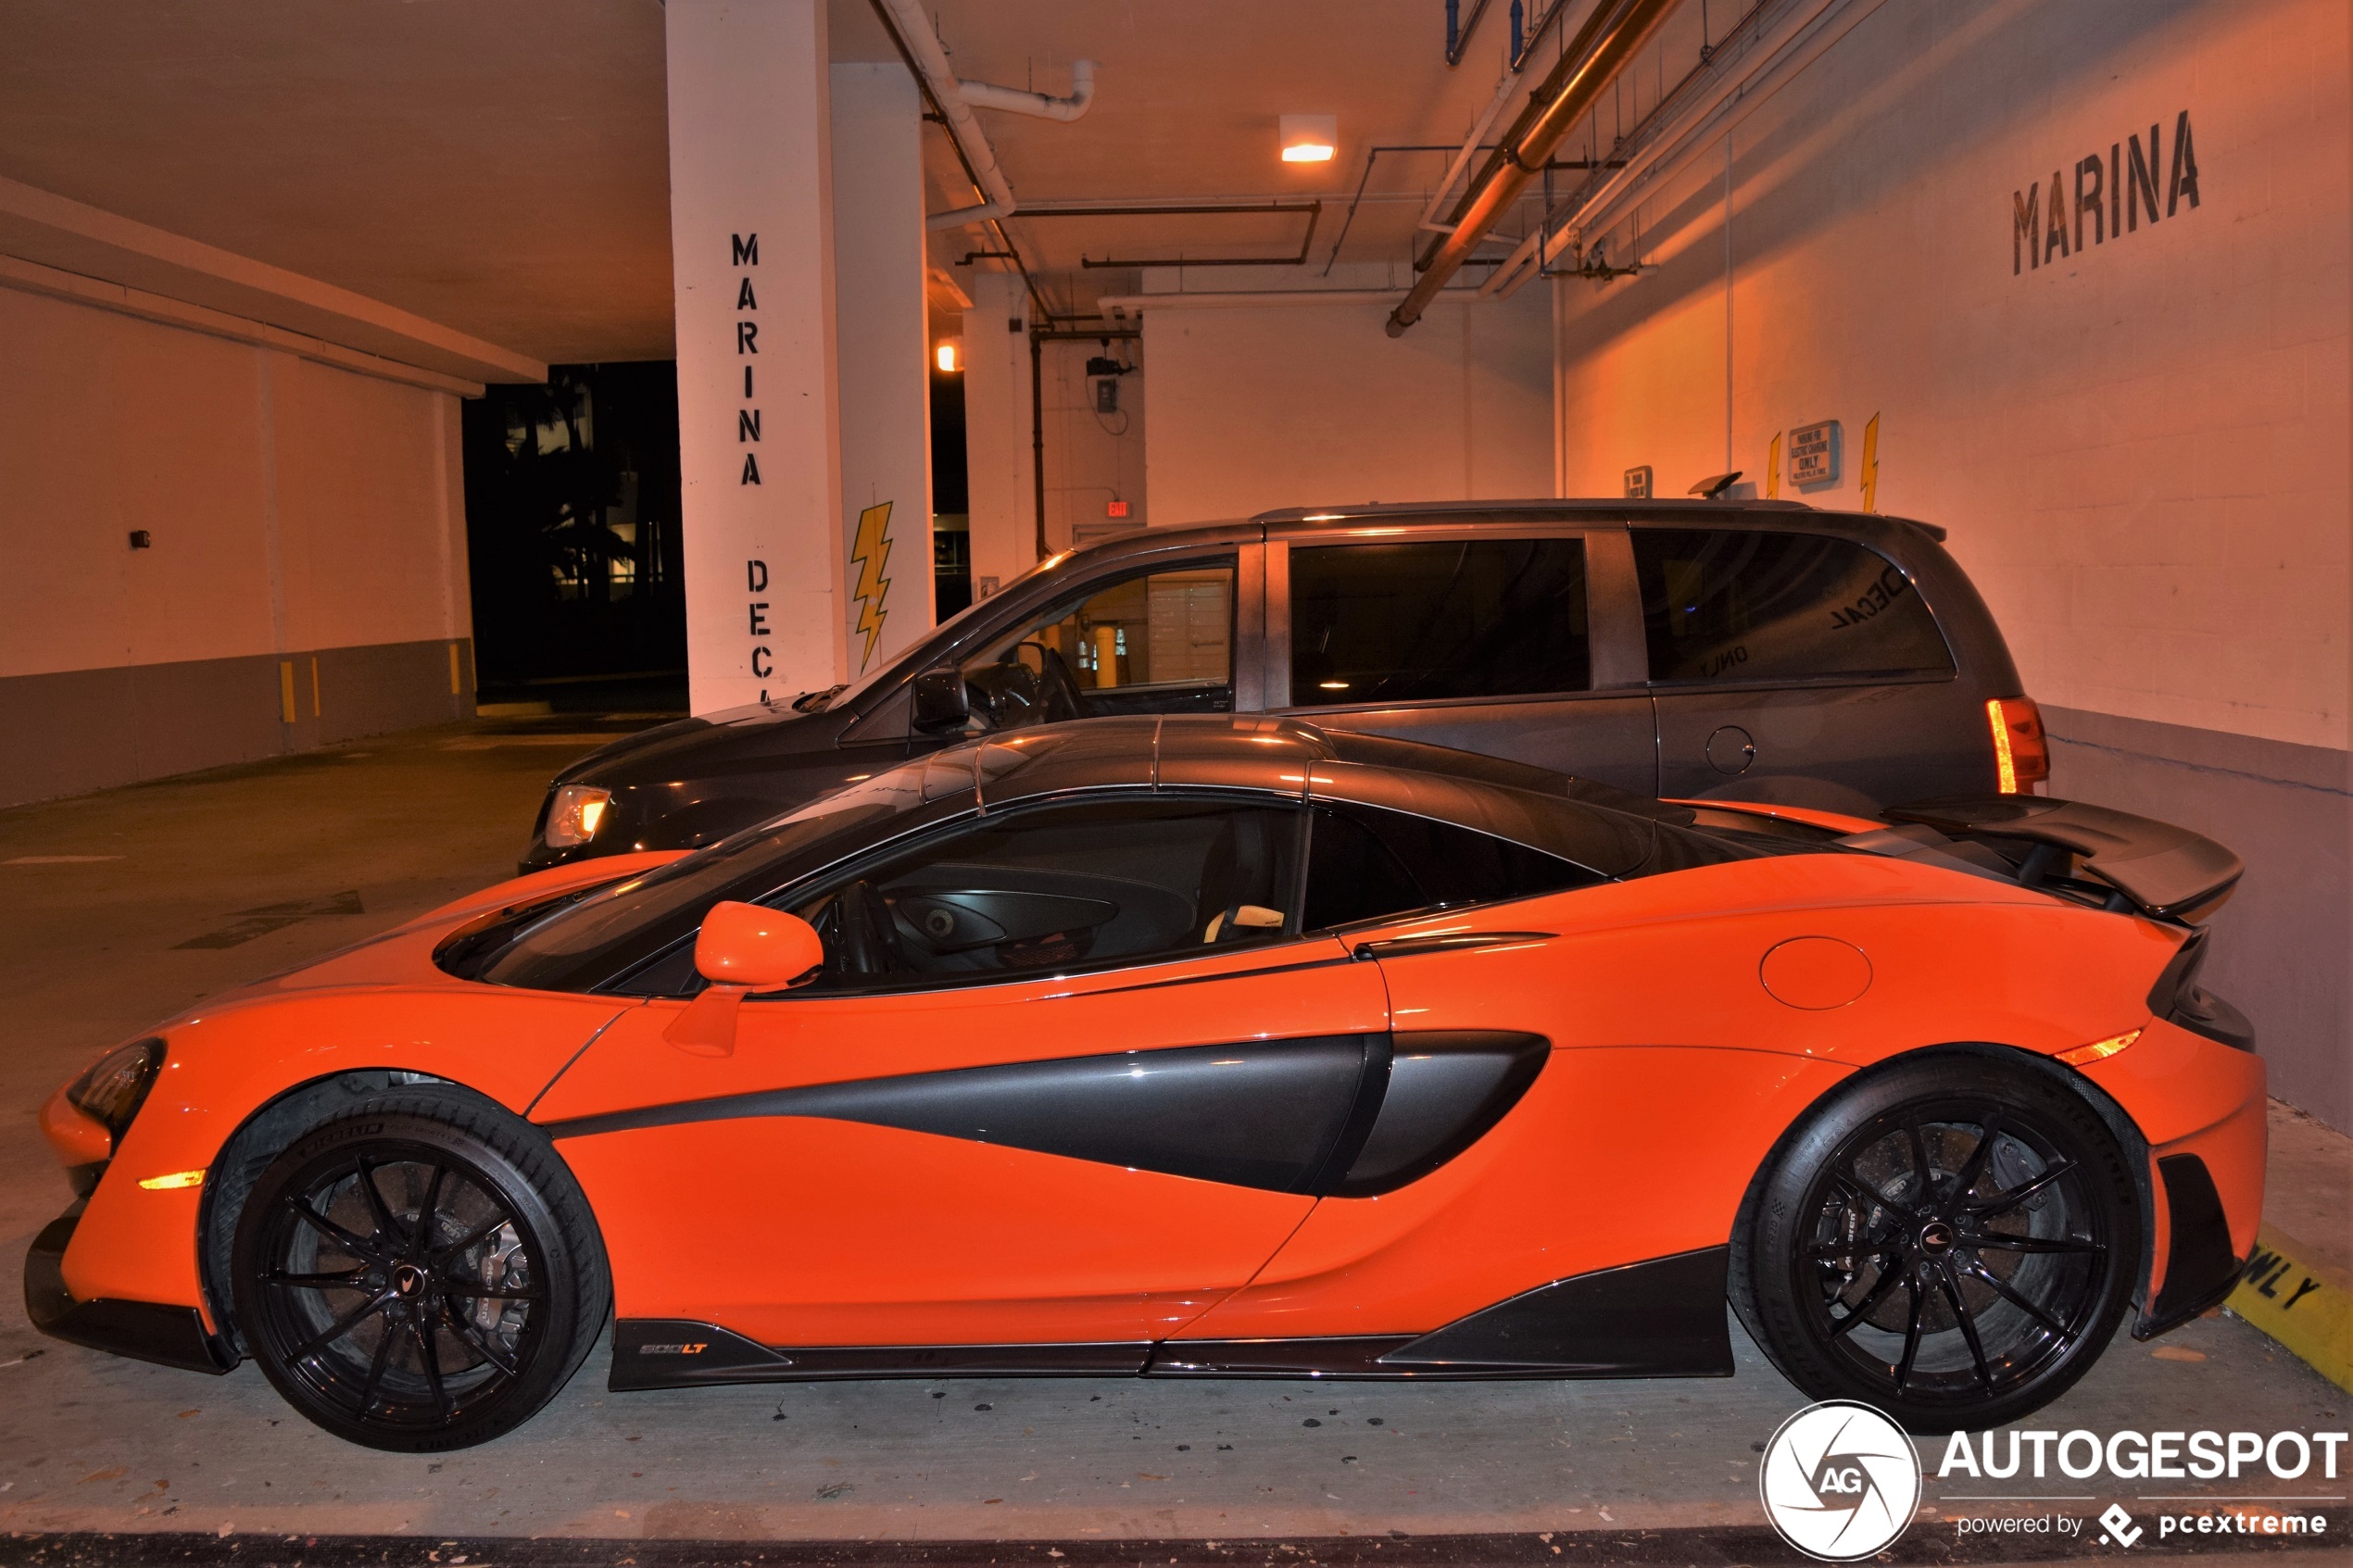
point(1605, 43)
point(1599, 215)
point(1039, 106)
point(1762, 71)
point(1429, 221)
point(1122, 305)
point(920, 47)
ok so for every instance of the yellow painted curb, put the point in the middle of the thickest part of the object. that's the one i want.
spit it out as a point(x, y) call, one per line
point(2306, 1306)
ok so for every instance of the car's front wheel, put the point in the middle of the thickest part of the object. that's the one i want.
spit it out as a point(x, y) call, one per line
point(419, 1275)
point(1952, 1240)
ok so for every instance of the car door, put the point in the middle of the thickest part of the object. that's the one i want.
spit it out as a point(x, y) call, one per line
point(1541, 1027)
point(1799, 668)
point(1516, 640)
point(1044, 1095)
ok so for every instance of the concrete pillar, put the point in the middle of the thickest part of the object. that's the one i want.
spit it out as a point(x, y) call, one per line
point(997, 451)
point(884, 378)
point(752, 260)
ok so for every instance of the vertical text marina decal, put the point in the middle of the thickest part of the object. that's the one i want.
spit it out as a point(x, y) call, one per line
point(744, 252)
point(2110, 198)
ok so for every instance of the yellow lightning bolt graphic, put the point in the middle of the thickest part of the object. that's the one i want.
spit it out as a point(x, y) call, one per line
point(871, 550)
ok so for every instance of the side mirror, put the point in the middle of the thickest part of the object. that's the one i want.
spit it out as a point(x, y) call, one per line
point(940, 702)
point(757, 948)
point(742, 949)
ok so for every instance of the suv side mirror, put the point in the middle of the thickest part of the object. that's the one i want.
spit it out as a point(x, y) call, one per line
point(940, 702)
point(742, 949)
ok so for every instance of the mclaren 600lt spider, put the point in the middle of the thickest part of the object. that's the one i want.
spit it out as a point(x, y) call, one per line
point(1211, 1047)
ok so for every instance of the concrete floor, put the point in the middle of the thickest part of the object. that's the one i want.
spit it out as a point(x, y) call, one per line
point(99, 900)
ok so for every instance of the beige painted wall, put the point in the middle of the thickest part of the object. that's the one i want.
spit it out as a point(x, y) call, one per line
point(2141, 447)
point(1090, 459)
point(1312, 405)
point(108, 423)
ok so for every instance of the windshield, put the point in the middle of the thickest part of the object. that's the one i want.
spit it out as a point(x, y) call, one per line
point(945, 632)
point(615, 927)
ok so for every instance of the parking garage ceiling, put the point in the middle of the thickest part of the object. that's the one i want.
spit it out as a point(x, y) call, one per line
point(501, 167)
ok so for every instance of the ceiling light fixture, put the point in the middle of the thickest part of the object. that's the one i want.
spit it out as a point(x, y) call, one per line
point(1310, 138)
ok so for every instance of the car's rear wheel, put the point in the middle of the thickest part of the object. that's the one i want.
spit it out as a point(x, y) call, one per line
point(419, 1275)
point(1952, 1240)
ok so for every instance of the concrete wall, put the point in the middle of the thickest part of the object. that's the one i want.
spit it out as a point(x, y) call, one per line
point(2140, 446)
point(1313, 405)
point(1090, 459)
point(307, 527)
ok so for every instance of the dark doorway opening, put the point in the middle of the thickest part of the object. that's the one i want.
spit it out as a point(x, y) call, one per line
point(571, 522)
point(952, 561)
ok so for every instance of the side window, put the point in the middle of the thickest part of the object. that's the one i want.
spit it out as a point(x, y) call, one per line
point(1365, 863)
point(1059, 887)
point(1741, 606)
point(1418, 622)
point(1159, 642)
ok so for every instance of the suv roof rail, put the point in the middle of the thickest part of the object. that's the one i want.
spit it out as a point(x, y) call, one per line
point(1537, 504)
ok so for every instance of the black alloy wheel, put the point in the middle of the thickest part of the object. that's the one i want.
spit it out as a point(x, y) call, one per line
point(1952, 1240)
point(418, 1282)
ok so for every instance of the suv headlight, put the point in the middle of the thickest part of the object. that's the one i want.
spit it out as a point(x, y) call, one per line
point(112, 1091)
point(574, 814)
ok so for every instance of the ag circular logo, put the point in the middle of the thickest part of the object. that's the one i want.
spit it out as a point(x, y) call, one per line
point(1839, 1481)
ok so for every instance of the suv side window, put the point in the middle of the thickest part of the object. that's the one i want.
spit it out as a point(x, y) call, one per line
point(1060, 886)
point(1366, 863)
point(1415, 621)
point(1737, 605)
point(1158, 641)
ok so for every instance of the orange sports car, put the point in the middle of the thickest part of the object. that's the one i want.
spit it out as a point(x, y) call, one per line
point(1202, 1048)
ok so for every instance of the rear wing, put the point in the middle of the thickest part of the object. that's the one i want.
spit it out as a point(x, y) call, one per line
point(2155, 867)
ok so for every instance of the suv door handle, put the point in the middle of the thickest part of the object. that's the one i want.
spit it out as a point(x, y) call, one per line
point(1405, 947)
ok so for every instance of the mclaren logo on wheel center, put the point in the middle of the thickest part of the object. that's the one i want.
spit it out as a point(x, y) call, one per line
point(1839, 1481)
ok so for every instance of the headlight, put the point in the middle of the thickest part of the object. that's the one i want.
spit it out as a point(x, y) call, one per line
point(112, 1091)
point(574, 815)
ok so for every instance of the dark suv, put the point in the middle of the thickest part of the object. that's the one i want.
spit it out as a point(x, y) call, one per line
point(1759, 650)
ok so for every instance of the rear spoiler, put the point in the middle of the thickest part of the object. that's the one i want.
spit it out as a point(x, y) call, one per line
point(2156, 868)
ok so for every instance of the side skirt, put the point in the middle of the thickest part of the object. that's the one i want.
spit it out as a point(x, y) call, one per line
point(679, 1353)
point(1664, 1318)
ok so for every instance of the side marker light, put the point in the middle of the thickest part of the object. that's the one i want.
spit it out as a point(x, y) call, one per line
point(2099, 1050)
point(176, 1180)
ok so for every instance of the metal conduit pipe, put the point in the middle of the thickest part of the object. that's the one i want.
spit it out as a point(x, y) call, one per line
point(1603, 48)
point(1761, 71)
point(1753, 94)
point(1428, 222)
point(1119, 306)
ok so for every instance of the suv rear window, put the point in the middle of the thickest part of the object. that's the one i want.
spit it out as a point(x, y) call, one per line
point(1727, 605)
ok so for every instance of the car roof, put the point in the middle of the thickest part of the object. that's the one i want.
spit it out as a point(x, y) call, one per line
point(1292, 522)
point(1594, 824)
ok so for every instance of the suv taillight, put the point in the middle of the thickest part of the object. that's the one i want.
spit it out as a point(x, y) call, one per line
point(2021, 757)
